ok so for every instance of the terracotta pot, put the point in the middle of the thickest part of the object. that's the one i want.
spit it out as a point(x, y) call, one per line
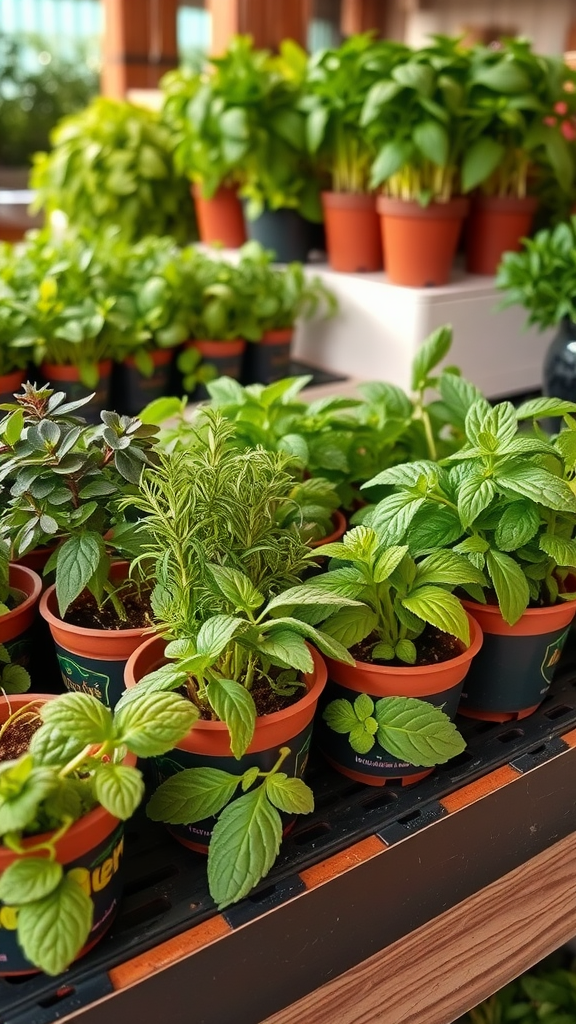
point(513, 672)
point(496, 225)
point(93, 846)
point(37, 558)
point(208, 743)
point(340, 526)
point(353, 235)
point(67, 379)
point(10, 383)
point(133, 390)
point(220, 219)
point(439, 684)
point(420, 241)
point(268, 360)
point(17, 626)
point(92, 660)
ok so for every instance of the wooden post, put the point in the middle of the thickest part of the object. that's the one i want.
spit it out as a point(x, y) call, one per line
point(267, 21)
point(140, 44)
point(362, 16)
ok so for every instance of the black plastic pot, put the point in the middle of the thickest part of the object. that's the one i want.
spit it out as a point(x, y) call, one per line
point(559, 370)
point(132, 390)
point(268, 359)
point(66, 379)
point(284, 231)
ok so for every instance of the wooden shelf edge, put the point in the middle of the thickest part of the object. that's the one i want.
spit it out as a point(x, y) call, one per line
point(447, 966)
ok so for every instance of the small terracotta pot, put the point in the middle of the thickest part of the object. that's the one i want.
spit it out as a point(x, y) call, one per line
point(92, 660)
point(68, 379)
point(340, 526)
point(353, 235)
point(268, 360)
point(208, 743)
point(93, 847)
point(220, 219)
point(512, 674)
point(37, 558)
point(420, 241)
point(496, 225)
point(10, 383)
point(439, 684)
point(133, 390)
point(17, 626)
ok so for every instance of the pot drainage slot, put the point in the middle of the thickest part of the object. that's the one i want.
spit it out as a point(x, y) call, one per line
point(57, 996)
point(380, 800)
point(152, 878)
point(456, 762)
point(309, 835)
point(407, 818)
point(558, 712)
point(510, 735)
point(141, 915)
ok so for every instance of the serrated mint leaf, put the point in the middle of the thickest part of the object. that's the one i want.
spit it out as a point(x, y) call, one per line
point(290, 795)
point(510, 584)
point(15, 679)
point(406, 652)
point(192, 795)
point(287, 649)
point(340, 716)
point(237, 587)
point(77, 561)
point(537, 408)
point(28, 879)
point(53, 930)
point(415, 731)
point(345, 582)
point(234, 705)
point(387, 562)
point(383, 652)
point(79, 715)
point(519, 523)
point(216, 633)
point(448, 567)
point(244, 845)
point(459, 395)
point(360, 543)
point(430, 353)
point(474, 496)
point(361, 738)
point(154, 724)
point(119, 788)
point(439, 608)
point(407, 474)
point(19, 809)
point(538, 484)
point(306, 594)
point(475, 418)
point(363, 706)
point(52, 747)
point(392, 516)
point(249, 778)
point(562, 550)
point(350, 625)
point(161, 680)
point(501, 422)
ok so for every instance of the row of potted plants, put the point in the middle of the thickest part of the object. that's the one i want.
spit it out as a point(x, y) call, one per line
point(245, 625)
point(75, 304)
point(425, 128)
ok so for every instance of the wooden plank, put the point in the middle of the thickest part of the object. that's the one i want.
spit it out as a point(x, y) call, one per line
point(139, 45)
point(268, 23)
point(450, 964)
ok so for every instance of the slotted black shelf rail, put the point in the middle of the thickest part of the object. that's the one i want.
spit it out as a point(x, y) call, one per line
point(166, 891)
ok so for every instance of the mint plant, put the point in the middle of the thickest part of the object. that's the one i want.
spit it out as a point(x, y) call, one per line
point(539, 278)
point(74, 763)
point(64, 481)
point(505, 501)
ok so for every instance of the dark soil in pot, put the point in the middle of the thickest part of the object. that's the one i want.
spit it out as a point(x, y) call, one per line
point(86, 613)
point(432, 647)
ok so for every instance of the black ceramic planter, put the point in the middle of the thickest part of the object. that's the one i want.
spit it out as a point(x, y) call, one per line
point(268, 360)
point(559, 373)
point(132, 390)
point(285, 232)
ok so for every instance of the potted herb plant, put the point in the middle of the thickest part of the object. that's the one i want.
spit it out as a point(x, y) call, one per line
point(68, 781)
point(20, 589)
point(514, 137)
point(112, 164)
point(337, 83)
point(65, 479)
point(508, 505)
point(414, 120)
point(540, 278)
point(201, 110)
point(238, 621)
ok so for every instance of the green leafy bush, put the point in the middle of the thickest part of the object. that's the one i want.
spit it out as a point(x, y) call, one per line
point(541, 277)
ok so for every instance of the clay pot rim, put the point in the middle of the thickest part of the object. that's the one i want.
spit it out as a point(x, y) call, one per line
point(476, 639)
point(12, 377)
point(317, 678)
point(77, 836)
point(276, 336)
point(160, 357)
point(503, 204)
point(215, 346)
point(34, 582)
point(454, 209)
point(528, 621)
point(340, 526)
point(64, 371)
point(349, 200)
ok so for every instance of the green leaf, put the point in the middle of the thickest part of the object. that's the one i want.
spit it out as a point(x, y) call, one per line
point(480, 160)
point(192, 795)
point(459, 395)
point(290, 795)
point(387, 562)
point(384, 652)
point(152, 725)
point(474, 495)
point(504, 77)
point(510, 585)
point(237, 587)
point(28, 879)
point(537, 484)
point(351, 625)
point(306, 594)
point(77, 561)
point(393, 515)
point(363, 706)
point(216, 633)
point(234, 705)
point(316, 127)
point(389, 159)
point(501, 421)
point(244, 845)
point(416, 732)
point(79, 715)
point(562, 550)
point(53, 930)
point(361, 736)
point(430, 353)
point(360, 544)
point(340, 716)
point(13, 428)
point(448, 567)
point(431, 138)
point(440, 609)
point(119, 788)
point(537, 408)
point(287, 649)
point(15, 679)
point(518, 524)
point(406, 651)
point(49, 746)
point(18, 809)
point(475, 418)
